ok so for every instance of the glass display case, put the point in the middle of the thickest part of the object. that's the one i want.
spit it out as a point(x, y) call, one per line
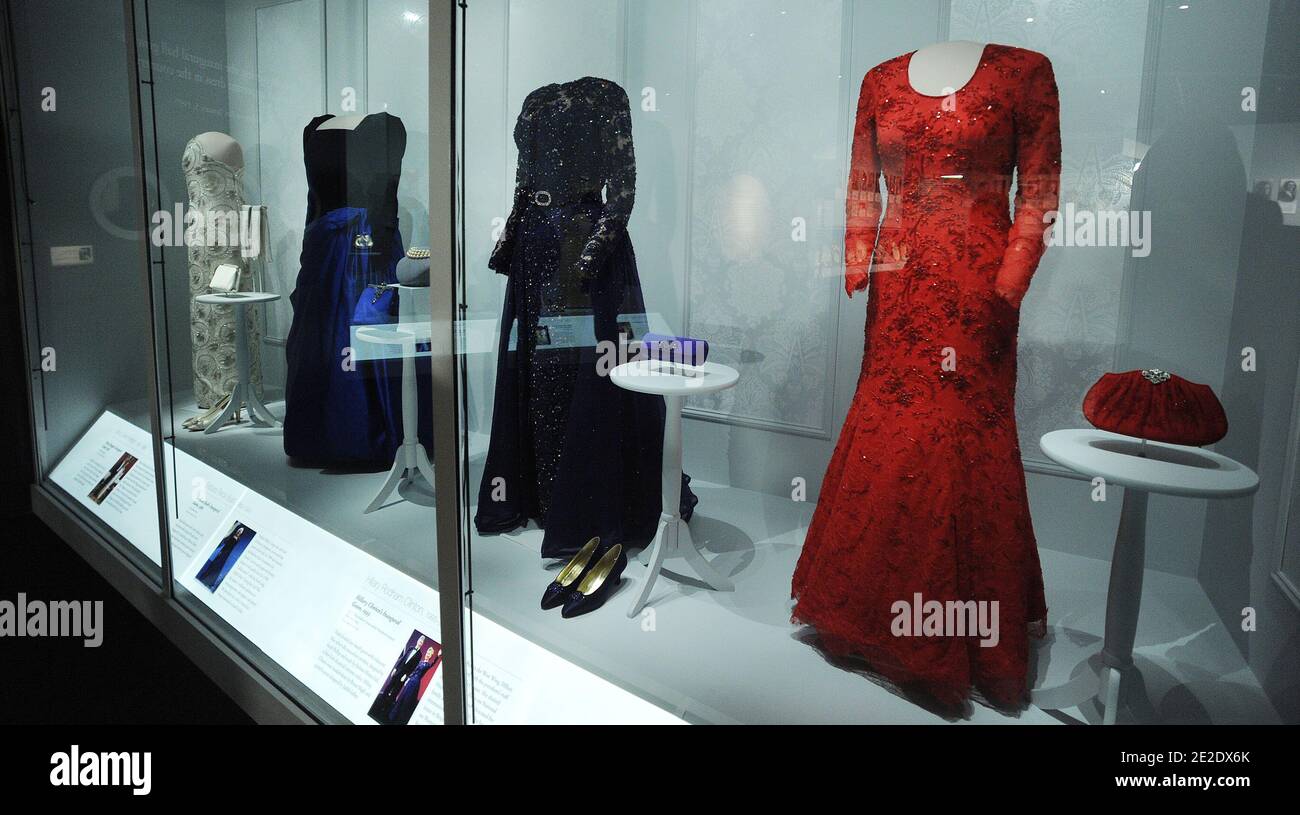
point(85, 301)
point(318, 495)
point(717, 361)
point(721, 173)
point(240, 193)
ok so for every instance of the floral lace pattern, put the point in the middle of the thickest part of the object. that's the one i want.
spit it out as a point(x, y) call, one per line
point(587, 117)
point(925, 493)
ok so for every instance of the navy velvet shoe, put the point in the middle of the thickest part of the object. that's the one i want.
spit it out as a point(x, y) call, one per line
point(562, 586)
point(597, 584)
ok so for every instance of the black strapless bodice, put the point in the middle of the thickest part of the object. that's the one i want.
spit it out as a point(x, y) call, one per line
point(339, 415)
point(360, 167)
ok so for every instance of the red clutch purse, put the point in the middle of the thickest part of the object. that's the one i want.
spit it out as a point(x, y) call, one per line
point(1157, 405)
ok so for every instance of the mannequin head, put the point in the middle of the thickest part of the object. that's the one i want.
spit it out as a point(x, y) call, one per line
point(221, 147)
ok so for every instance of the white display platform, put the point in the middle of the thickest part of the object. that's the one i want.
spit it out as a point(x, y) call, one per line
point(1141, 467)
point(329, 613)
point(1150, 466)
point(411, 459)
point(735, 658)
point(728, 657)
point(673, 381)
point(243, 392)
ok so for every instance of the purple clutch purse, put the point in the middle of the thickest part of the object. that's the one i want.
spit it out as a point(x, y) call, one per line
point(683, 350)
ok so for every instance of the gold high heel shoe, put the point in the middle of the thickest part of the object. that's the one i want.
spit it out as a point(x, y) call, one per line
point(558, 591)
point(597, 585)
point(197, 423)
point(204, 419)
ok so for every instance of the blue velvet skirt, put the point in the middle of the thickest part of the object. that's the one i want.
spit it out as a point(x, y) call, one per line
point(340, 411)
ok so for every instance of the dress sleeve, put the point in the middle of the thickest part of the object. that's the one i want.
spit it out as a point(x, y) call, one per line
point(1038, 181)
point(862, 204)
point(500, 258)
point(865, 242)
point(620, 184)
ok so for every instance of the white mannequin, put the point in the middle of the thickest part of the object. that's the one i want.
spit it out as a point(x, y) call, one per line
point(221, 147)
point(945, 67)
point(341, 122)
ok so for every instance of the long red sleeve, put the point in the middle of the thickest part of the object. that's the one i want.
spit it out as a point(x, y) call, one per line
point(1038, 180)
point(863, 205)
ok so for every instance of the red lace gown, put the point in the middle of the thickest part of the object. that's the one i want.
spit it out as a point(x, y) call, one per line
point(925, 493)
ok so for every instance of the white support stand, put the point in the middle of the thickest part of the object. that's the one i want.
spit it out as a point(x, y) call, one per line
point(243, 392)
point(1141, 468)
point(674, 381)
point(411, 458)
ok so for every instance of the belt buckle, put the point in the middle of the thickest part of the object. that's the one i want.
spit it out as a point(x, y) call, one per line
point(538, 198)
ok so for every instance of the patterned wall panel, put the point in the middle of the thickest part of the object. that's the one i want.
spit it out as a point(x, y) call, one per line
point(766, 151)
point(1070, 319)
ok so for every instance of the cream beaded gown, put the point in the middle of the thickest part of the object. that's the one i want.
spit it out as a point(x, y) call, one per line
point(216, 193)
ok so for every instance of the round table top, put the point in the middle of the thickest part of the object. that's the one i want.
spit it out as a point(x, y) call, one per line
point(236, 298)
point(394, 334)
point(664, 378)
point(1152, 466)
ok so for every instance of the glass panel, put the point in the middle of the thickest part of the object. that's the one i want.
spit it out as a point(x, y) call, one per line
point(83, 274)
point(679, 168)
point(291, 142)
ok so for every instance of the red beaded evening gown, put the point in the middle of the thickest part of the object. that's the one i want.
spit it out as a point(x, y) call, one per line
point(925, 493)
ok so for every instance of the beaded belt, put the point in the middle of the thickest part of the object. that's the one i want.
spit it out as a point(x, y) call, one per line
point(543, 198)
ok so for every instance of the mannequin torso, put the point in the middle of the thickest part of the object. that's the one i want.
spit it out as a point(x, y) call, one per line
point(221, 147)
point(341, 122)
point(944, 67)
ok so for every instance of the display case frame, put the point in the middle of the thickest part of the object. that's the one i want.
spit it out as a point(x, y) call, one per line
point(1123, 73)
point(266, 690)
point(469, 178)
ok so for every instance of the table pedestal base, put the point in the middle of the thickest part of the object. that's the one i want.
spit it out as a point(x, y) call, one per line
point(1094, 680)
point(1102, 677)
point(243, 393)
point(673, 540)
point(411, 461)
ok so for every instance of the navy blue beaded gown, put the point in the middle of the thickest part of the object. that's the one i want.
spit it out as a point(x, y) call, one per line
point(569, 449)
point(342, 408)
